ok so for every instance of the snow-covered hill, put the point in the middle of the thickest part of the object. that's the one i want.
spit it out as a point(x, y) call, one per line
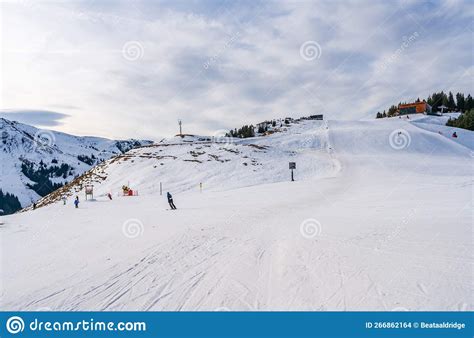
point(49, 154)
point(379, 218)
point(219, 163)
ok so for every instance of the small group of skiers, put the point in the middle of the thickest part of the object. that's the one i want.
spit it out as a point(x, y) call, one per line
point(109, 195)
point(76, 201)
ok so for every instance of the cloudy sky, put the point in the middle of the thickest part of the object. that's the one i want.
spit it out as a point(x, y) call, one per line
point(133, 68)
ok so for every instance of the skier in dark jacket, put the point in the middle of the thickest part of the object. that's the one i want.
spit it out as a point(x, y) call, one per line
point(170, 201)
point(76, 202)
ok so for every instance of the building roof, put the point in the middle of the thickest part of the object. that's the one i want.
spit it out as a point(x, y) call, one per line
point(414, 104)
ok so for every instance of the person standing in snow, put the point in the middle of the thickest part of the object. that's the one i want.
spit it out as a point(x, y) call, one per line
point(64, 200)
point(170, 201)
point(76, 202)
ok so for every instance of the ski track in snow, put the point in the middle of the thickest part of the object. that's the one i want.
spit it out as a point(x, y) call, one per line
point(396, 232)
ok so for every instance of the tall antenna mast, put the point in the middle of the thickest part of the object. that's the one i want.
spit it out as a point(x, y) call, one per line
point(180, 128)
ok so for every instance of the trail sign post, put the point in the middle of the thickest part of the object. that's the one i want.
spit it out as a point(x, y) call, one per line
point(90, 191)
point(292, 166)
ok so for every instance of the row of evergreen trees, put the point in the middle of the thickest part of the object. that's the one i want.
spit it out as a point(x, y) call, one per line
point(461, 103)
point(465, 121)
point(457, 102)
point(244, 132)
point(41, 176)
point(249, 130)
point(9, 203)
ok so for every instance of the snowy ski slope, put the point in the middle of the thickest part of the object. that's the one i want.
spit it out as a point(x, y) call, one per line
point(379, 218)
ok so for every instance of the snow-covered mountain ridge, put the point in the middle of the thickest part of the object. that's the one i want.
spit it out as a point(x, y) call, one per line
point(30, 157)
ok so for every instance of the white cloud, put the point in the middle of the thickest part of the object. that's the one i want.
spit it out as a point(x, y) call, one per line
point(221, 66)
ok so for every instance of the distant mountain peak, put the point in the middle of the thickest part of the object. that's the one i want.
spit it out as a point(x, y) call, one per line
point(36, 161)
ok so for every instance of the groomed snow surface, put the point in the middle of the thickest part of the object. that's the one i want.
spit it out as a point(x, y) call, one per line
point(379, 218)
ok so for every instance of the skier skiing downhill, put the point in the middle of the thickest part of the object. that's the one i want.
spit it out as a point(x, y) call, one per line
point(76, 202)
point(170, 201)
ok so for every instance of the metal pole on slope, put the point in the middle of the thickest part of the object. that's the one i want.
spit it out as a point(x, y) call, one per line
point(292, 166)
point(161, 189)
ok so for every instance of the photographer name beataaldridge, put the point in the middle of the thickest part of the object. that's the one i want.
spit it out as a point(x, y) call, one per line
point(442, 325)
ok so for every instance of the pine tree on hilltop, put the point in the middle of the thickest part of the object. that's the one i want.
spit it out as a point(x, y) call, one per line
point(460, 101)
point(469, 103)
point(451, 104)
point(392, 110)
point(444, 99)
